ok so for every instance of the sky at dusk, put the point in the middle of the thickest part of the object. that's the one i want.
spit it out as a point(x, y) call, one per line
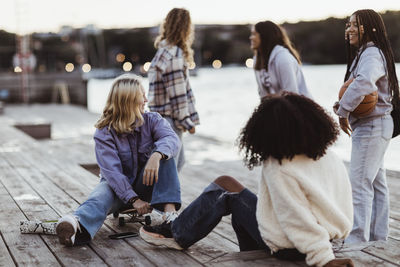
point(24, 16)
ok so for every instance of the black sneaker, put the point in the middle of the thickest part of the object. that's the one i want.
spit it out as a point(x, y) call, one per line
point(159, 235)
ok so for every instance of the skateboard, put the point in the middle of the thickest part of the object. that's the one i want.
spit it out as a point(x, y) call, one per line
point(132, 217)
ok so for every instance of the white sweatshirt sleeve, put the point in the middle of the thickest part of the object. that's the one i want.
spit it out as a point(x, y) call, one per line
point(292, 209)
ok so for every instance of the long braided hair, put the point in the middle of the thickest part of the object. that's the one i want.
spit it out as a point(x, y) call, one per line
point(374, 31)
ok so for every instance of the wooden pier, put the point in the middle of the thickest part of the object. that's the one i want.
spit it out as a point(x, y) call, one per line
point(50, 87)
point(43, 179)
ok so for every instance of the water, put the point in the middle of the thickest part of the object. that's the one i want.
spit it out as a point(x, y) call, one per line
point(226, 97)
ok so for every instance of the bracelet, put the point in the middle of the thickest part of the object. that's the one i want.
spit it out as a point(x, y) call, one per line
point(133, 200)
point(162, 155)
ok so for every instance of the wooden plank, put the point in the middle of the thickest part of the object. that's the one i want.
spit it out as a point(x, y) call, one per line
point(251, 258)
point(394, 229)
point(80, 194)
point(211, 247)
point(388, 251)
point(5, 257)
point(360, 258)
point(35, 208)
point(25, 249)
point(118, 254)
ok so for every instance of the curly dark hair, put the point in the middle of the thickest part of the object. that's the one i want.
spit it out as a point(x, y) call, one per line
point(286, 125)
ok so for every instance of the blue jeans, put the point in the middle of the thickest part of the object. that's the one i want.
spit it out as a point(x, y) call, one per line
point(368, 180)
point(103, 201)
point(180, 156)
point(206, 211)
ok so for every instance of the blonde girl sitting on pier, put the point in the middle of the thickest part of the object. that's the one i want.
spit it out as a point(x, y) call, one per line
point(134, 151)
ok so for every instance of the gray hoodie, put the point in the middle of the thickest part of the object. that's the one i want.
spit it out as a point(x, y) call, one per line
point(369, 75)
point(284, 74)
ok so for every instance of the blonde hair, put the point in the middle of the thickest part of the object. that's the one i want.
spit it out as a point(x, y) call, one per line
point(122, 110)
point(177, 29)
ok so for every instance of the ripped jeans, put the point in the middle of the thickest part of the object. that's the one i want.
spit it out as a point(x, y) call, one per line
point(206, 211)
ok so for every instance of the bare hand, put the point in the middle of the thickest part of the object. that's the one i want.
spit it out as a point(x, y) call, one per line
point(340, 263)
point(192, 130)
point(150, 174)
point(344, 125)
point(142, 207)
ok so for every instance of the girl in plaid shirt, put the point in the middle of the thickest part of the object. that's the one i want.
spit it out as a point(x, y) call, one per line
point(170, 93)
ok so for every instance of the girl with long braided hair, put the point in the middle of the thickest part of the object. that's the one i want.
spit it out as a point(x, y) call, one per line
point(370, 68)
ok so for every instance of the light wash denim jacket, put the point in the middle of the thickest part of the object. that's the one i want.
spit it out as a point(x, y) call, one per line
point(121, 156)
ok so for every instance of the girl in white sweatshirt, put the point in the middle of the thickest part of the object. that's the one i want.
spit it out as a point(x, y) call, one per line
point(304, 194)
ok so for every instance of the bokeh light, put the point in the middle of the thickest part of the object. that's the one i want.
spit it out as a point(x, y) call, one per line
point(120, 57)
point(86, 67)
point(127, 66)
point(217, 64)
point(69, 67)
point(146, 66)
point(249, 63)
point(192, 66)
point(17, 69)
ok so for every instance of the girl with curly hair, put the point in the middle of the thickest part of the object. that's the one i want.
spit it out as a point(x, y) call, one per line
point(170, 93)
point(370, 68)
point(304, 194)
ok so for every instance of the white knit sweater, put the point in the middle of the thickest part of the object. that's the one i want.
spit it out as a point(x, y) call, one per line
point(303, 204)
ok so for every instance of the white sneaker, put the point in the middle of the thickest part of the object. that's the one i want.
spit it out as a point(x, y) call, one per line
point(66, 229)
point(170, 216)
point(155, 217)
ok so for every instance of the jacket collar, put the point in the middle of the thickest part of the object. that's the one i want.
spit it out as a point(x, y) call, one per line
point(172, 49)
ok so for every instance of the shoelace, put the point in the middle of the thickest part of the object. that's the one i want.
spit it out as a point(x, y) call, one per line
point(78, 227)
point(170, 216)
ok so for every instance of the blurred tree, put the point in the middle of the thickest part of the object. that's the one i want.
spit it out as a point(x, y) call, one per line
point(7, 50)
point(319, 42)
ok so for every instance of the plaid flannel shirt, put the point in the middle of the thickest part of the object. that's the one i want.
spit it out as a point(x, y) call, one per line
point(170, 93)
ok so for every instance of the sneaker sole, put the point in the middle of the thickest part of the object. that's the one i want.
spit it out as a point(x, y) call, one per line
point(159, 240)
point(65, 231)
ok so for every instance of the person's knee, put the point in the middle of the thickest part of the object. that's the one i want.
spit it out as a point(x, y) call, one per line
point(229, 183)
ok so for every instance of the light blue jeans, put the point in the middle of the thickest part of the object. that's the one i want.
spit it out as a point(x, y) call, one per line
point(368, 179)
point(103, 201)
point(180, 157)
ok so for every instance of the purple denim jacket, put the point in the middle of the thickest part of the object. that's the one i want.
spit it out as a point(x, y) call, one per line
point(121, 156)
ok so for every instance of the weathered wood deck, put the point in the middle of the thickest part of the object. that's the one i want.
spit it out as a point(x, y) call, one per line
point(44, 179)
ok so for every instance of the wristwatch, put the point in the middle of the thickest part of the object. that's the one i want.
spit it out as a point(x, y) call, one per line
point(163, 156)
